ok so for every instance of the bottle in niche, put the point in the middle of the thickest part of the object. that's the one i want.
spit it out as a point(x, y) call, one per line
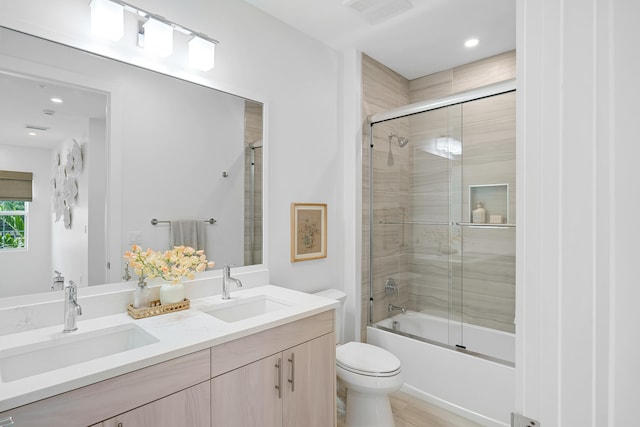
point(479, 214)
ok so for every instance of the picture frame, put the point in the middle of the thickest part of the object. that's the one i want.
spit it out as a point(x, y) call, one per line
point(308, 231)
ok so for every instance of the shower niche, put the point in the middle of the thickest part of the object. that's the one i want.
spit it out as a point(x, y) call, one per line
point(427, 172)
point(494, 199)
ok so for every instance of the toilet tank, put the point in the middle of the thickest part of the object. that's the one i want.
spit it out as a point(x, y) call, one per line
point(338, 295)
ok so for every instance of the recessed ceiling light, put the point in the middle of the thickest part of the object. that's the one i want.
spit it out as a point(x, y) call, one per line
point(32, 134)
point(471, 42)
point(56, 100)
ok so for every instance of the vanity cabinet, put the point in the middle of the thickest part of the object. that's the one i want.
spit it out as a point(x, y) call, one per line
point(228, 385)
point(309, 400)
point(292, 387)
point(247, 397)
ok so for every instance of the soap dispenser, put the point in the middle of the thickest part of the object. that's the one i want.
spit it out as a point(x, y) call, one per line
point(479, 214)
point(141, 293)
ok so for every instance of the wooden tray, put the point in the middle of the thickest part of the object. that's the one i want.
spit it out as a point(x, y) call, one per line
point(141, 313)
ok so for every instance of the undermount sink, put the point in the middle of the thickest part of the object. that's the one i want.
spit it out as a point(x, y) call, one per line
point(243, 309)
point(67, 350)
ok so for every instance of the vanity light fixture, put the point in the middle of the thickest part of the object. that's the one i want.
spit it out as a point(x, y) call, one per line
point(155, 34)
point(107, 19)
point(202, 53)
point(158, 37)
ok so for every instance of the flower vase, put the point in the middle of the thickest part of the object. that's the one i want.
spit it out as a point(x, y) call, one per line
point(171, 293)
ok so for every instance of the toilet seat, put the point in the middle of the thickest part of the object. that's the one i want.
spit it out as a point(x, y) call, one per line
point(366, 359)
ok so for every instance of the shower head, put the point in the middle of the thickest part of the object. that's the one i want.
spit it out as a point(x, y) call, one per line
point(401, 140)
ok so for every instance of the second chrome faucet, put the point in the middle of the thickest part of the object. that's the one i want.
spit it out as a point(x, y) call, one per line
point(227, 280)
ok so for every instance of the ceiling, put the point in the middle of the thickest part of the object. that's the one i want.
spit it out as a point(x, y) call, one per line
point(25, 101)
point(412, 37)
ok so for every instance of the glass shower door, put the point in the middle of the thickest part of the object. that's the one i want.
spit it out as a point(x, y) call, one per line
point(415, 204)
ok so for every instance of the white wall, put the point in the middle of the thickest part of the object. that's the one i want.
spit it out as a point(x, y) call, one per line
point(259, 58)
point(577, 289)
point(34, 272)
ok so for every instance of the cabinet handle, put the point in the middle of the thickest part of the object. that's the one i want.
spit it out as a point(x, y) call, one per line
point(6, 422)
point(279, 377)
point(119, 425)
point(292, 380)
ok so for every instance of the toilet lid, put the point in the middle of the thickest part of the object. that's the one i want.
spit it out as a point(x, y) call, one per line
point(367, 359)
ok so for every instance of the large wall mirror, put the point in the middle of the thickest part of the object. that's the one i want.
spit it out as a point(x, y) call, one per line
point(125, 146)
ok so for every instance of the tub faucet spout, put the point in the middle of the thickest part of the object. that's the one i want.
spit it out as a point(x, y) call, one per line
point(391, 308)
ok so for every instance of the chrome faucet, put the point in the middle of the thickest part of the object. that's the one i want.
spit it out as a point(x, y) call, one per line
point(71, 307)
point(392, 307)
point(226, 278)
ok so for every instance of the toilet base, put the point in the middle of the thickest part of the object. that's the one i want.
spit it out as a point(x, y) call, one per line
point(367, 410)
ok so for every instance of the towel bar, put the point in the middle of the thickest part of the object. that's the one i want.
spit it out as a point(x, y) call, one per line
point(155, 221)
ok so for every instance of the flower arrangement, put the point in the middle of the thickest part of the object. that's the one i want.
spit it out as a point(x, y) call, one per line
point(171, 265)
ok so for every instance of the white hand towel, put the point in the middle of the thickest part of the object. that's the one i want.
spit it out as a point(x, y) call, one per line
point(188, 233)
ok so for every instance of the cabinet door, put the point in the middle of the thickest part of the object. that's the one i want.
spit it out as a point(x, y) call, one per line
point(247, 396)
point(310, 388)
point(190, 407)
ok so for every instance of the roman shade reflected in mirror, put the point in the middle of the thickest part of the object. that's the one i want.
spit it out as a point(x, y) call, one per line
point(16, 186)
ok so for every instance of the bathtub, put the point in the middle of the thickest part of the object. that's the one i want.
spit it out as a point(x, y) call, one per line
point(478, 383)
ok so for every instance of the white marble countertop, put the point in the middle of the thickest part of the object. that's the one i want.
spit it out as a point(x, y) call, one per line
point(178, 334)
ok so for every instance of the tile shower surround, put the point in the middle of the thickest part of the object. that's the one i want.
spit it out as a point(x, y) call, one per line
point(410, 253)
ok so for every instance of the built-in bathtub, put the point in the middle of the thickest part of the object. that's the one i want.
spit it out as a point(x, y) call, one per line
point(478, 384)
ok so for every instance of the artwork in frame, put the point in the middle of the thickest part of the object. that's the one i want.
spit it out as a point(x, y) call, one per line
point(308, 231)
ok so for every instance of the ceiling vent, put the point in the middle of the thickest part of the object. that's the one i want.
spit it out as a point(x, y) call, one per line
point(36, 127)
point(377, 11)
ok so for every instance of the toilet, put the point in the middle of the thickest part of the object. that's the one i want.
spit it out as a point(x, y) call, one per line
point(368, 372)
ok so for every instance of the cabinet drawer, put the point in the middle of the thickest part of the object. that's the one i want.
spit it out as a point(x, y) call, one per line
point(190, 407)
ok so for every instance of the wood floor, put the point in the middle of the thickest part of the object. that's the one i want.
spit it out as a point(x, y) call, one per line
point(409, 411)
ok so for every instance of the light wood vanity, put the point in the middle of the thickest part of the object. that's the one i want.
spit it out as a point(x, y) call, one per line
point(280, 376)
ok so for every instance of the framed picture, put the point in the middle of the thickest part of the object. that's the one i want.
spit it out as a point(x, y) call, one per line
point(308, 231)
